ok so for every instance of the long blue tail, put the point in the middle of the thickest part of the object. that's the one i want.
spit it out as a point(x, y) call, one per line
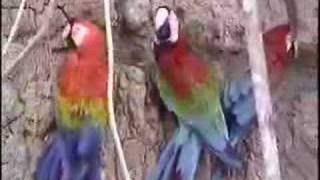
point(179, 160)
point(72, 155)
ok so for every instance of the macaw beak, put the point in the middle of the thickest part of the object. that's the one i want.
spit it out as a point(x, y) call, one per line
point(66, 31)
point(292, 45)
point(295, 49)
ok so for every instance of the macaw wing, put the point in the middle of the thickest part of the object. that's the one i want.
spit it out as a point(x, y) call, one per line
point(202, 113)
point(238, 105)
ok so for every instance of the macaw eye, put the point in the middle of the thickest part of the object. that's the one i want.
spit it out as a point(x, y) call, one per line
point(75, 30)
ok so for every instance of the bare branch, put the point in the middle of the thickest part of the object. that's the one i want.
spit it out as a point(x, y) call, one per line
point(112, 123)
point(261, 88)
point(34, 39)
point(14, 27)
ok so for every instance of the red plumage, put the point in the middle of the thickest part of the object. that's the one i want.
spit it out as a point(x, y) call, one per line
point(277, 55)
point(179, 62)
point(85, 72)
point(82, 114)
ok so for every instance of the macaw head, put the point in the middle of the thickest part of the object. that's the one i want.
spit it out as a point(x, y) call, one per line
point(166, 25)
point(83, 33)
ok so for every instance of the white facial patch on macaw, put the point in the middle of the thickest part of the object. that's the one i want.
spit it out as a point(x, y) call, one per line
point(79, 33)
point(161, 17)
point(174, 27)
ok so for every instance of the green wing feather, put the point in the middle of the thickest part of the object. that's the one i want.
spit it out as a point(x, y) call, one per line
point(203, 104)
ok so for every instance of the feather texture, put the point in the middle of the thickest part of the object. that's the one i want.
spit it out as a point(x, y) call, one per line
point(74, 153)
point(190, 88)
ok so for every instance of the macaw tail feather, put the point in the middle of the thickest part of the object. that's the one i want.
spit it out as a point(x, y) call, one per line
point(72, 155)
point(216, 143)
point(49, 166)
point(179, 160)
point(228, 156)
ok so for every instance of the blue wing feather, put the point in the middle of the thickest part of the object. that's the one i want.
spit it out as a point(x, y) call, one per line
point(50, 156)
point(238, 104)
point(179, 160)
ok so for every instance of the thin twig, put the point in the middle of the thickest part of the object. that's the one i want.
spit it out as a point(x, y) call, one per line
point(34, 39)
point(14, 27)
point(112, 122)
point(262, 95)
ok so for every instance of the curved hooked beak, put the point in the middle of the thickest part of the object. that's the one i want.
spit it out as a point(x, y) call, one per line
point(166, 25)
point(292, 45)
point(67, 30)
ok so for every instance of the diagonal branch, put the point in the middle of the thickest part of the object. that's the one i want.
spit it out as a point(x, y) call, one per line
point(257, 61)
point(14, 27)
point(112, 122)
point(43, 29)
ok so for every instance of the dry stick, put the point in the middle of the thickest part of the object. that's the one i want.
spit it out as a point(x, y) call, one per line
point(112, 122)
point(14, 27)
point(262, 95)
point(34, 39)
